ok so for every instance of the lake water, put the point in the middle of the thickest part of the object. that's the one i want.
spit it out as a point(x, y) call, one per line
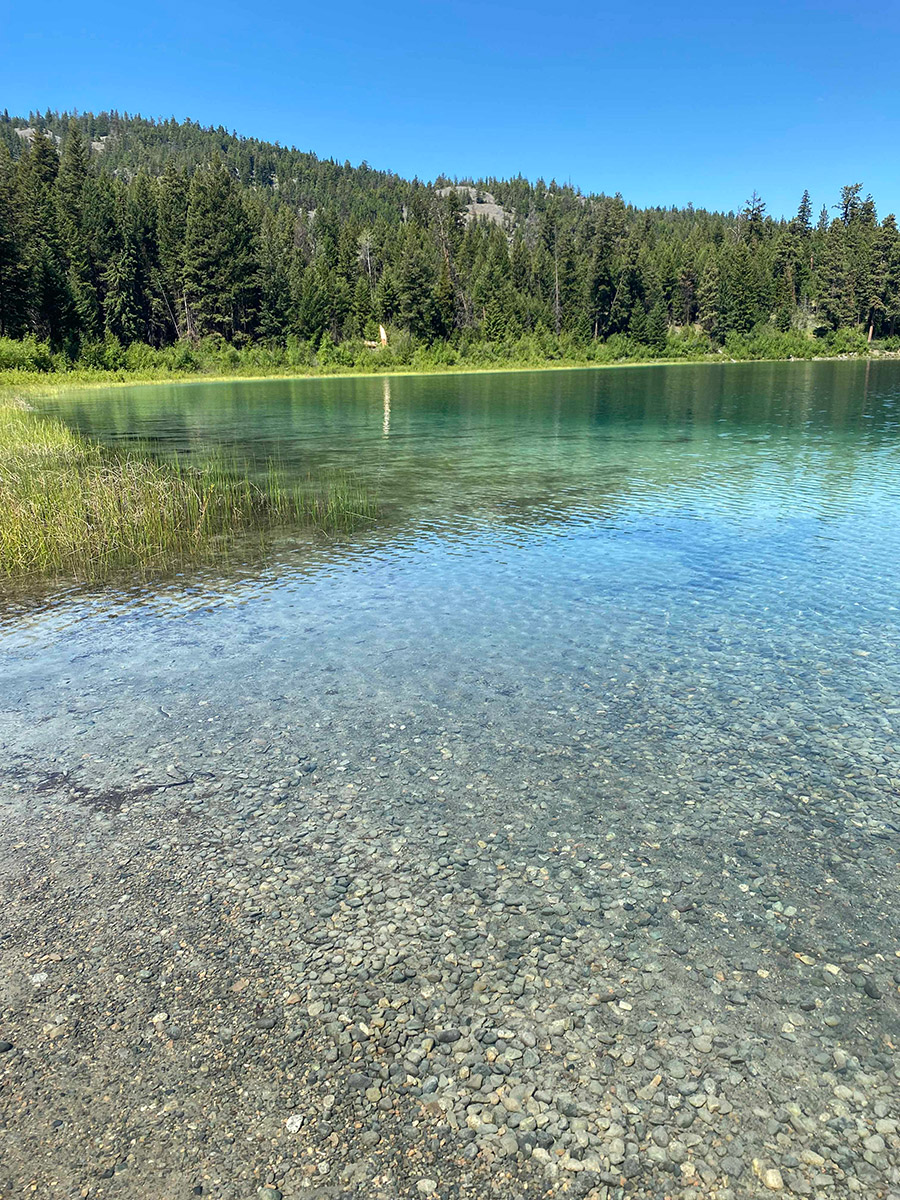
point(583, 758)
point(672, 558)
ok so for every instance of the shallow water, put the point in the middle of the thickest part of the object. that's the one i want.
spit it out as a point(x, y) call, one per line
point(651, 567)
point(582, 759)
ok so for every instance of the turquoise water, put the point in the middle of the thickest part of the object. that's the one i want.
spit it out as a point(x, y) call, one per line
point(688, 576)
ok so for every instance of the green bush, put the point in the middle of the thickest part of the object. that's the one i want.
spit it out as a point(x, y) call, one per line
point(25, 354)
point(847, 341)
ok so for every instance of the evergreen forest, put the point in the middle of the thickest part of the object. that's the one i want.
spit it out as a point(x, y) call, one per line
point(126, 241)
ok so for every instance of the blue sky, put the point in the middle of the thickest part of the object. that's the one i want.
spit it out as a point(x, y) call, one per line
point(667, 103)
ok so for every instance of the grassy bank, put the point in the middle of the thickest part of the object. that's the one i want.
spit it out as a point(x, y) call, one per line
point(28, 362)
point(70, 508)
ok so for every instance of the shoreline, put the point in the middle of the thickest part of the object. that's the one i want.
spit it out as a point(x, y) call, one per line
point(53, 381)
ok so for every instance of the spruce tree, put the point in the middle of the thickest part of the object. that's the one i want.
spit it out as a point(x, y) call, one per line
point(71, 183)
point(709, 299)
point(657, 327)
point(219, 258)
point(122, 305)
point(171, 227)
point(415, 301)
point(494, 323)
point(802, 223)
point(13, 275)
point(311, 308)
point(47, 301)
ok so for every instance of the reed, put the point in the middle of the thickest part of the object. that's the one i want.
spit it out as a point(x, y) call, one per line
point(72, 508)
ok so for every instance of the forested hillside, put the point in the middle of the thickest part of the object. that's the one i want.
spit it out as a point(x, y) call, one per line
point(116, 230)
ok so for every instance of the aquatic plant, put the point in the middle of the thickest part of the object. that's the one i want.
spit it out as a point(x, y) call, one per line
point(72, 508)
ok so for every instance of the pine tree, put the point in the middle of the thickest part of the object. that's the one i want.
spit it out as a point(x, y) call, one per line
point(362, 305)
point(753, 216)
point(850, 202)
point(139, 224)
point(13, 275)
point(493, 325)
point(71, 183)
point(444, 298)
point(802, 223)
point(741, 307)
point(171, 225)
point(709, 302)
point(415, 299)
point(637, 324)
point(312, 311)
point(122, 306)
point(275, 250)
point(835, 283)
point(386, 297)
point(657, 327)
point(892, 275)
point(48, 302)
point(219, 258)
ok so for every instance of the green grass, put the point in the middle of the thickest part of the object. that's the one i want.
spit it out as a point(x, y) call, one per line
point(70, 508)
point(28, 362)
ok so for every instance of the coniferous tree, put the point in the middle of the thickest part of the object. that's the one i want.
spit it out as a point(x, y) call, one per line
point(802, 223)
point(709, 298)
point(13, 276)
point(657, 327)
point(71, 182)
point(312, 312)
point(47, 292)
point(122, 302)
point(172, 209)
point(850, 202)
point(414, 290)
point(219, 258)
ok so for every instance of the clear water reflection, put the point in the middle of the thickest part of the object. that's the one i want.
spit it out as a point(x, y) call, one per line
point(680, 560)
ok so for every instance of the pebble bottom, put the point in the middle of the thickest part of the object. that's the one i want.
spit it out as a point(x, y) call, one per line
point(258, 969)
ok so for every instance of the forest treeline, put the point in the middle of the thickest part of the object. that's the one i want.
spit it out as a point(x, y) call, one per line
point(118, 232)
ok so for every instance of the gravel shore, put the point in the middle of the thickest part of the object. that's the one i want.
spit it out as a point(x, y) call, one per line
point(280, 973)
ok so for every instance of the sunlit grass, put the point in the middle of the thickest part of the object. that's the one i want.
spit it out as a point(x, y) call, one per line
point(71, 508)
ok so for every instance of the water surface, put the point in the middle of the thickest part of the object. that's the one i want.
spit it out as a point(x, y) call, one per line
point(652, 569)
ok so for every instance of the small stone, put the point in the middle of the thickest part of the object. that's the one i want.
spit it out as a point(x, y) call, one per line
point(772, 1179)
point(5, 1047)
point(426, 1187)
point(447, 1037)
